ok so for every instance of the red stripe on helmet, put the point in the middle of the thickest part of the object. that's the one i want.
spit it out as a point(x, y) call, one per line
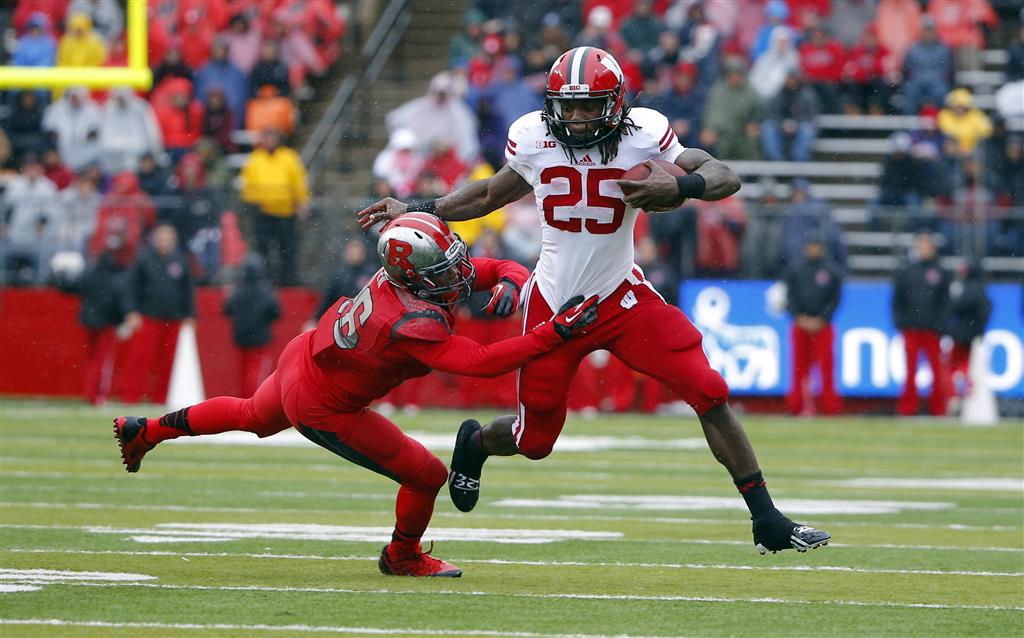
point(429, 225)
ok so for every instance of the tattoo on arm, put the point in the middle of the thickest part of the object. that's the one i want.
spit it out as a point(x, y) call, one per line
point(720, 180)
point(480, 198)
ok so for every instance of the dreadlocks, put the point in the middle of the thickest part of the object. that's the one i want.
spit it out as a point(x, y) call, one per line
point(609, 146)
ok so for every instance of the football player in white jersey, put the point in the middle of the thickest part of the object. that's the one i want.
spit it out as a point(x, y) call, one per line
point(572, 155)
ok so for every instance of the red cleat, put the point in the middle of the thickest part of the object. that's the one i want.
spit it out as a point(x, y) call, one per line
point(130, 433)
point(416, 564)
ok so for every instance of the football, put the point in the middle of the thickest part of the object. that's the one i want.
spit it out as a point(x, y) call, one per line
point(640, 171)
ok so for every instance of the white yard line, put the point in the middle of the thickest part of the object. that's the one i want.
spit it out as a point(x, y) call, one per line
point(552, 596)
point(55, 622)
point(541, 563)
point(693, 541)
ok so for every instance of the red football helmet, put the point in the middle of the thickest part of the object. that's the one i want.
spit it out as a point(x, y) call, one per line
point(584, 73)
point(421, 254)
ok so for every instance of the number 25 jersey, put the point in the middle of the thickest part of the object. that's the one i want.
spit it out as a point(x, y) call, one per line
point(587, 227)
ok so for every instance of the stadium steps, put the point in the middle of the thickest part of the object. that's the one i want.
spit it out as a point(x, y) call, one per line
point(421, 54)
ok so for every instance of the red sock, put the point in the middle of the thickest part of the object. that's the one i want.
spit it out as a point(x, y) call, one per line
point(213, 416)
point(413, 509)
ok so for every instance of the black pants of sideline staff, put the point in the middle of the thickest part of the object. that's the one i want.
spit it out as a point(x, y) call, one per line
point(283, 233)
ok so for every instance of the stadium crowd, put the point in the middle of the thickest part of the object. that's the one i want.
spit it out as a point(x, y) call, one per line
point(86, 169)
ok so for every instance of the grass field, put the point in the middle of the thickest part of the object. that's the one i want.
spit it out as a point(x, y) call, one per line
point(630, 528)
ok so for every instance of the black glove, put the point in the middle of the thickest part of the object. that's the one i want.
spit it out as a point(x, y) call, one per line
point(504, 298)
point(575, 316)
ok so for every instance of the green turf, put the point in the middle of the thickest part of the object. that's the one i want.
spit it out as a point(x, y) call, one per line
point(956, 569)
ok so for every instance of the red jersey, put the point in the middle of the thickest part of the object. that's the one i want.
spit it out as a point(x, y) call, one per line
point(365, 346)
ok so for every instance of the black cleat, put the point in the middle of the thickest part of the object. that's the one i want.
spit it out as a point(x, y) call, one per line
point(467, 464)
point(130, 431)
point(774, 532)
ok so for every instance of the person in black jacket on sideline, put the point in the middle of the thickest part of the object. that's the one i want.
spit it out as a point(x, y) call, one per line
point(253, 308)
point(969, 312)
point(813, 288)
point(160, 297)
point(348, 278)
point(920, 308)
point(101, 289)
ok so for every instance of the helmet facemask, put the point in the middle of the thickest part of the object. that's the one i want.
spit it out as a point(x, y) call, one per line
point(449, 282)
point(604, 125)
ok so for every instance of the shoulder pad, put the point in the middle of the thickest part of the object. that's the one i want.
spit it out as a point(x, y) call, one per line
point(421, 325)
point(652, 126)
point(526, 132)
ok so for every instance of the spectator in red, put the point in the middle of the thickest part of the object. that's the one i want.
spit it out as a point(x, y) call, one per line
point(101, 287)
point(253, 308)
point(125, 214)
point(54, 10)
point(822, 58)
point(172, 66)
point(480, 72)
point(180, 117)
point(960, 27)
point(297, 51)
point(720, 227)
point(899, 26)
point(445, 164)
point(199, 35)
point(55, 170)
point(867, 74)
point(813, 288)
point(218, 120)
point(159, 297)
point(213, 13)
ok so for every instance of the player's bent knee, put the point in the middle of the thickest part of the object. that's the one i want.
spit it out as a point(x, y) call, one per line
point(713, 392)
point(432, 476)
point(535, 450)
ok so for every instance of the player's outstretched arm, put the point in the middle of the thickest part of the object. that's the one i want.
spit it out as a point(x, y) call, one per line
point(707, 179)
point(469, 202)
point(460, 355)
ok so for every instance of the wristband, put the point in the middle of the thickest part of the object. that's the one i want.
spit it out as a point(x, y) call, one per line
point(426, 206)
point(691, 185)
point(511, 283)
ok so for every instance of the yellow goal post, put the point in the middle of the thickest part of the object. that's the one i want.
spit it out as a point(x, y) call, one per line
point(136, 75)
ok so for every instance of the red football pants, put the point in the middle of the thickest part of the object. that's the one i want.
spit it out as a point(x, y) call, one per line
point(101, 346)
point(363, 437)
point(810, 349)
point(150, 358)
point(256, 366)
point(634, 324)
point(914, 342)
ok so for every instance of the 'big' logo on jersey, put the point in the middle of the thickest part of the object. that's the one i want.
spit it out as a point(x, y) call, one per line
point(546, 144)
point(398, 254)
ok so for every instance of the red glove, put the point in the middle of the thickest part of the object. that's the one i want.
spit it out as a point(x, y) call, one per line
point(504, 298)
point(575, 316)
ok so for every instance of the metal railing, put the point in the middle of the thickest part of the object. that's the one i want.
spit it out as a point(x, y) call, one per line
point(372, 57)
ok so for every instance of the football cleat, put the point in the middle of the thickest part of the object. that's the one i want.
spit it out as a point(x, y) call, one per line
point(130, 433)
point(467, 464)
point(774, 532)
point(416, 564)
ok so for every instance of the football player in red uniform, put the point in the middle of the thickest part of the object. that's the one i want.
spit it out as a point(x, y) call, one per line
point(572, 155)
point(398, 327)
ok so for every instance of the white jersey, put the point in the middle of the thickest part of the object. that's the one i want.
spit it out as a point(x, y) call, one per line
point(587, 238)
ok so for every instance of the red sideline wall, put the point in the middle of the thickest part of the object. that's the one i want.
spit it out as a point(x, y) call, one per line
point(42, 349)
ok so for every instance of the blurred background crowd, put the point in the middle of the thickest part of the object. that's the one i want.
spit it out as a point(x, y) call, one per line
point(853, 123)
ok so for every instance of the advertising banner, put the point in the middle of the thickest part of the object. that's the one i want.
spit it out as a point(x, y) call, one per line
point(747, 338)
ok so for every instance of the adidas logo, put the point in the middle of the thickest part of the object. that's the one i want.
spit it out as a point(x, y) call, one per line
point(586, 161)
